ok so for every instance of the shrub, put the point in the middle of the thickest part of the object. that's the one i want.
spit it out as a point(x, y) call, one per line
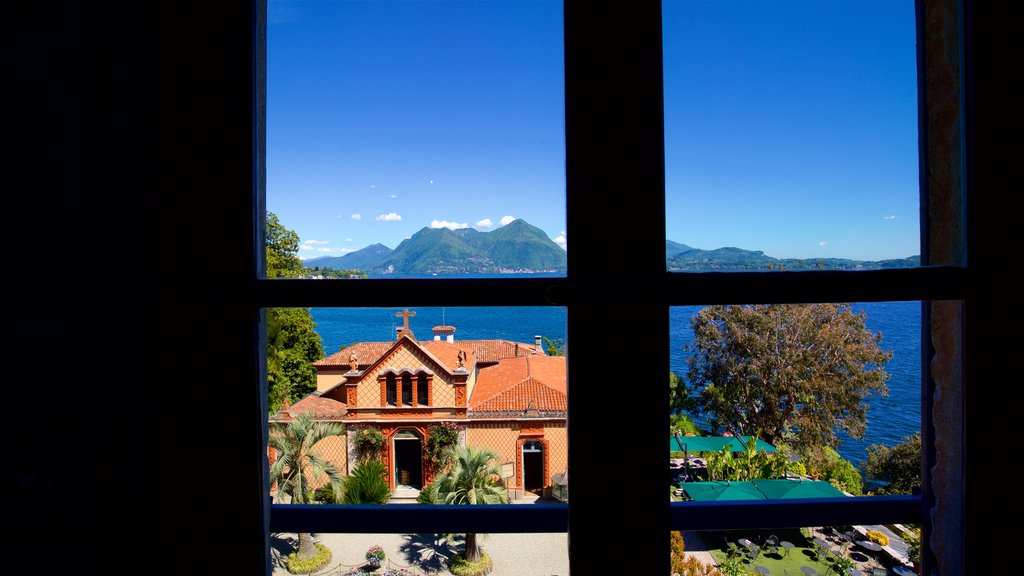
point(366, 485)
point(677, 545)
point(427, 495)
point(396, 572)
point(913, 539)
point(440, 438)
point(323, 495)
point(321, 559)
point(878, 537)
point(369, 442)
point(690, 566)
point(459, 566)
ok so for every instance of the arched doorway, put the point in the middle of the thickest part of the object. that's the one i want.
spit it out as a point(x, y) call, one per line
point(408, 460)
point(533, 466)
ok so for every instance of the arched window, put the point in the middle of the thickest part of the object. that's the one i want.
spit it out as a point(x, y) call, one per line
point(392, 393)
point(406, 389)
point(421, 390)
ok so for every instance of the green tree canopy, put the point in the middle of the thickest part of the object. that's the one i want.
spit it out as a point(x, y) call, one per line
point(292, 341)
point(799, 373)
point(282, 250)
point(292, 346)
point(679, 395)
point(898, 466)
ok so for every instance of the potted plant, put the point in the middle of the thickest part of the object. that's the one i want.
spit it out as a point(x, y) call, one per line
point(375, 556)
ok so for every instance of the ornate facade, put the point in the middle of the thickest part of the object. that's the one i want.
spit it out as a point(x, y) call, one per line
point(509, 397)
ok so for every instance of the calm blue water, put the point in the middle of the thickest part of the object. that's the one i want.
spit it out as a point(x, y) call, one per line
point(890, 419)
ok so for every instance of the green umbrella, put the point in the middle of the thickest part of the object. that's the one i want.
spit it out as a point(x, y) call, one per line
point(797, 488)
point(726, 490)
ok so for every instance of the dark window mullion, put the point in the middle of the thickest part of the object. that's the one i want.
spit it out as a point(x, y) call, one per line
point(618, 319)
point(759, 514)
point(419, 518)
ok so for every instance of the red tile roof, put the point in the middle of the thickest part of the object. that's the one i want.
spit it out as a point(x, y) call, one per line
point(366, 352)
point(513, 384)
point(495, 350)
point(322, 409)
point(446, 352)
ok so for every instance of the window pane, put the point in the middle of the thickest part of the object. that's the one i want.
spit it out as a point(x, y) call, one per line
point(795, 400)
point(491, 381)
point(414, 139)
point(790, 135)
point(419, 554)
point(808, 550)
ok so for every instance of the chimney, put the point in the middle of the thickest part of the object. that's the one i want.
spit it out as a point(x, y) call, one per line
point(536, 342)
point(444, 330)
point(398, 332)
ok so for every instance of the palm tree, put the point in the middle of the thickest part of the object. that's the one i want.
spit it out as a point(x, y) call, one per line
point(474, 477)
point(298, 465)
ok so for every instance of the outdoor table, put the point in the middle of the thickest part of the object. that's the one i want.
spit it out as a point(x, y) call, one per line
point(788, 546)
point(746, 543)
point(873, 546)
point(903, 571)
point(761, 569)
point(808, 570)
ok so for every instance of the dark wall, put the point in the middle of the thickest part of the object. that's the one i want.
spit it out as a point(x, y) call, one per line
point(131, 156)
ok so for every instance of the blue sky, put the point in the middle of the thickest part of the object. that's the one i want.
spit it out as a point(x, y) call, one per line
point(790, 126)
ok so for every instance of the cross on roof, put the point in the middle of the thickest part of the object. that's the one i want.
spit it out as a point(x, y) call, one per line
point(406, 314)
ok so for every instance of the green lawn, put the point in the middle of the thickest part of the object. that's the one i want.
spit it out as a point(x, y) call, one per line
point(778, 564)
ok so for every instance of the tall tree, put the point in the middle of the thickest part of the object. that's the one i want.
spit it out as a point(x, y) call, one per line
point(474, 477)
point(282, 250)
point(679, 396)
point(799, 373)
point(292, 341)
point(898, 466)
point(292, 346)
point(297, 466)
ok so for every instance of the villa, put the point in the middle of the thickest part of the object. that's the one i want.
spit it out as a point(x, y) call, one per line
point(506, 396)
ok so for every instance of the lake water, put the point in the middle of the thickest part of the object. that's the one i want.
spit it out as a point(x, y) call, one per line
point(890, 419)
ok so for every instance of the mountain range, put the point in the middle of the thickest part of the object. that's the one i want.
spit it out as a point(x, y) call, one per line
point(520, 247)
point(517, 247)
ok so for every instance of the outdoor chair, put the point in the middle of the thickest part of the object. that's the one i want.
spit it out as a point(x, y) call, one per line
point(771, 545)
point(732, 550)
point(753, 552)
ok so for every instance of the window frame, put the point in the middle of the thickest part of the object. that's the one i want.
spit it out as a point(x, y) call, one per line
point(617, 124)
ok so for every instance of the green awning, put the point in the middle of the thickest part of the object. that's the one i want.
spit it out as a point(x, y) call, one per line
point(707, 491)
point(693, 444)
point(790, 488)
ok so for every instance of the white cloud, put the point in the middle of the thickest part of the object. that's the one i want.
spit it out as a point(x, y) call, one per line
point(447, 224)
point(485, 223)
point(389, 217)
point(312, 244)
point(823, 243)
point(562, 240)
point(325, 250)
point(507, 220)
point(357, 216)
point(348, 239)
point(891, 217)
point(392, 195)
